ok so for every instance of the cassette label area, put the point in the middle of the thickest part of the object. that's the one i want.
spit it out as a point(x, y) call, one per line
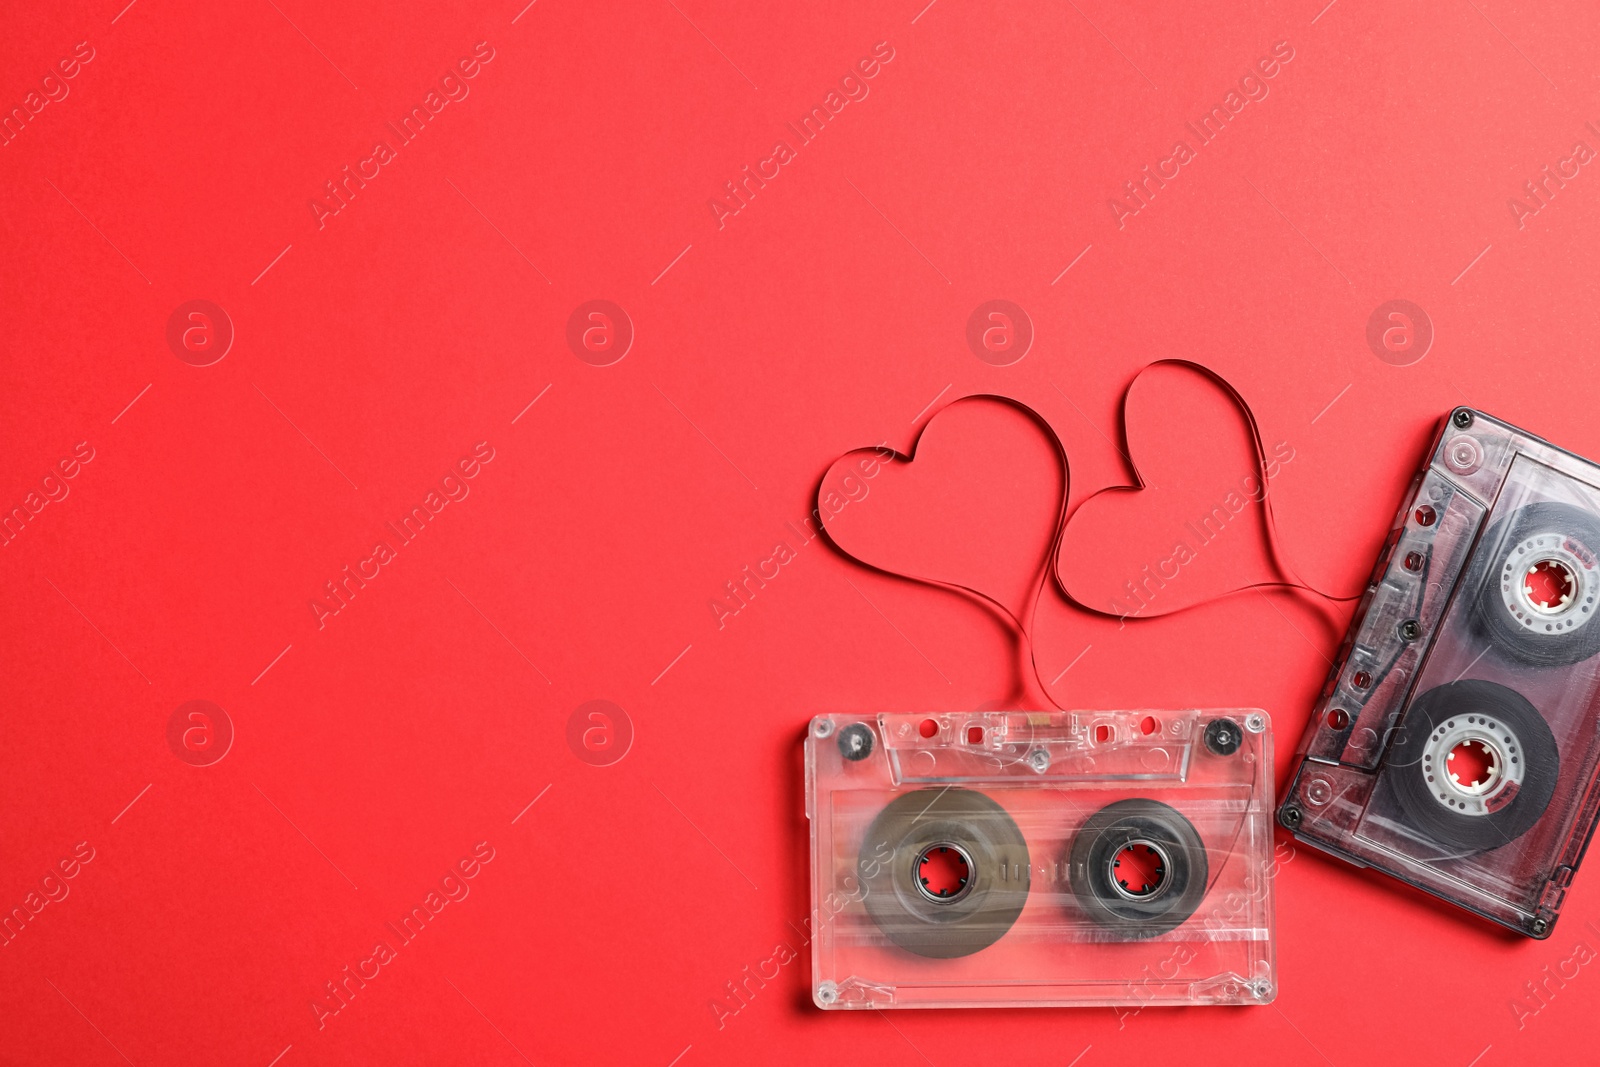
point(1454, 745)
point(1010, 859)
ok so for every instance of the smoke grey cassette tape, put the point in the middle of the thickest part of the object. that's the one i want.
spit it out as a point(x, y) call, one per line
point(1016, 859)
point(1456, 744)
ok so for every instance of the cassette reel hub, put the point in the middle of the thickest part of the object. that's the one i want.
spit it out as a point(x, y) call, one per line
point(1546, 586)
point(1139, 870)
point(1473, 764)
point(944, 872)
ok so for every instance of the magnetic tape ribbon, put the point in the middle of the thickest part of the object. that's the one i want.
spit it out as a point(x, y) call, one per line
point(1048, 572)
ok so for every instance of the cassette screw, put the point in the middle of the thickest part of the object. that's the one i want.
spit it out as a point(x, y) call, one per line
point(827, 993)
point(1410, 630)
point(1463, 418)
point(1039, 760)
point(1539, 927)
point(1291, 817)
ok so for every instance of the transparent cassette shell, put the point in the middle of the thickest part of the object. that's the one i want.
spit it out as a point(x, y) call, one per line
point(1016, 859)
point(1455, 744)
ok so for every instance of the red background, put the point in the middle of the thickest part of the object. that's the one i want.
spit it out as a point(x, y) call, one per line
point(373, 353)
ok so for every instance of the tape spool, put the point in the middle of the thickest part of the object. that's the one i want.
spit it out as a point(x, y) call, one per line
point(1539, 586)
point(1514, 761)
point(1170, 860)
point(945, 872)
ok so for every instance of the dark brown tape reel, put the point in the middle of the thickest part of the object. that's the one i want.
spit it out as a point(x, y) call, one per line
point(986, 906)
point(1147, 824)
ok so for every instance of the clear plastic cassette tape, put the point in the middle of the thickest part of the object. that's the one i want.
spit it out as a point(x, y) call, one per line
point(1455, 744)
point(1013, 859)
